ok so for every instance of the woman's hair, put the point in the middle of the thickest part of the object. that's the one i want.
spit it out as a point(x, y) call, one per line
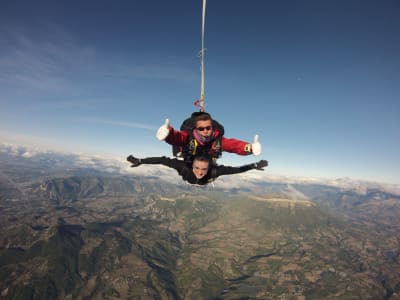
point(202, 158)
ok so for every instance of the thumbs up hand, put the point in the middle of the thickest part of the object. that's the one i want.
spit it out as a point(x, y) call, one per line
point(256, 146)
point(163, 131)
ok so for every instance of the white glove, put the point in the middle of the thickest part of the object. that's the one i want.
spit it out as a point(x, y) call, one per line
point(256, 146)
point(163, 131)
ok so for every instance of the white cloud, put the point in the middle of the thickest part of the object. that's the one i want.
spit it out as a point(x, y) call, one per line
point(55, 61)
point(118, 123)
point(244, 180)
point(28, 154)
point(19, 142)
point(40, 64)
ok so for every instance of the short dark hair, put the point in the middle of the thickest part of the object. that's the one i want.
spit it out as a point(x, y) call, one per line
point(202, 116)
point(202, 158)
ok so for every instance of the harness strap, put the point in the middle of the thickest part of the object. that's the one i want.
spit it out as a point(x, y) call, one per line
point(217, 147)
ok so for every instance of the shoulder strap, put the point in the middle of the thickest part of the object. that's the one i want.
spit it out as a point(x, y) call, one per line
point(217, 147)
point(187, 125)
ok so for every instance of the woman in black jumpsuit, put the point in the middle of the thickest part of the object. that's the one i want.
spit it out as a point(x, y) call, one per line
point(199, 172)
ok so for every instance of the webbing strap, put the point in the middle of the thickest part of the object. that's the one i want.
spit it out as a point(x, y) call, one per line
point(201, 100)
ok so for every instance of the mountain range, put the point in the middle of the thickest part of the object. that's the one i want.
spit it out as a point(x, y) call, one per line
point(78, 227)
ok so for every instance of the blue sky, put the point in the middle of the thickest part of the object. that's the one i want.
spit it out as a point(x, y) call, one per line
point(319, 81)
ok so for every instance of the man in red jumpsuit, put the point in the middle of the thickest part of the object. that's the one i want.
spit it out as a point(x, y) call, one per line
point(204, 136)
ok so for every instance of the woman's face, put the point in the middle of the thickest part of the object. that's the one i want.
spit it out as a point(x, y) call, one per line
point(200, 168)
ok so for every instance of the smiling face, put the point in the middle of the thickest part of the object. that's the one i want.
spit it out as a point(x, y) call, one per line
point(204, 127)
point(200, 168)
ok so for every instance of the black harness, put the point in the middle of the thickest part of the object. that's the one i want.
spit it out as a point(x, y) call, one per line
point(192, 148)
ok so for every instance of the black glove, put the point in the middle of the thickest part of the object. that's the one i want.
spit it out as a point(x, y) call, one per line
point(261, 164)
point(134, 161)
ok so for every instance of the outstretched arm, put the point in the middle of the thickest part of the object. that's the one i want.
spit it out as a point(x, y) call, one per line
point(241, 147)
point(228, 170)
point(177, 138)
point(169, 162)
point(171, 136)
point(236, 146)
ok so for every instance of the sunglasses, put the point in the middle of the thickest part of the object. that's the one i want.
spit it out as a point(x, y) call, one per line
point(204, 128)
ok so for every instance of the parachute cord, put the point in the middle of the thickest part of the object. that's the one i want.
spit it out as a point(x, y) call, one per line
point(201, 100)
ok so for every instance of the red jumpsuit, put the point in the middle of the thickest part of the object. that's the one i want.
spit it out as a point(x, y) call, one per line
point(181, 138)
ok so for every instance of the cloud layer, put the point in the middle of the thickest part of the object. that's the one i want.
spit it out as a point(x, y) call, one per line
point(244, 180)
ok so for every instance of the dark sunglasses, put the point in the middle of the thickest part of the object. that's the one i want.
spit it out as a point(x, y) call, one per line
point(204, 128)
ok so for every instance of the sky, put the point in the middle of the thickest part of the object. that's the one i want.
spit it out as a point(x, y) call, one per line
point(317, 80)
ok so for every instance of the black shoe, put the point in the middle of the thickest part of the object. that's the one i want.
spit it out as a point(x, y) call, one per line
point(133, 160)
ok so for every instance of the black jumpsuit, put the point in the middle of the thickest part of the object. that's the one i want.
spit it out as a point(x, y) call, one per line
point(185, 170)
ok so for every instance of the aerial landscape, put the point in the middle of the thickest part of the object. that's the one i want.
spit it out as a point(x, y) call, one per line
point(286, 116)
point(73, 231)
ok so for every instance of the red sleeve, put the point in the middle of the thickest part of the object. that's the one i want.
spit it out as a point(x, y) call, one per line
point(177, 138)
point(236, 146)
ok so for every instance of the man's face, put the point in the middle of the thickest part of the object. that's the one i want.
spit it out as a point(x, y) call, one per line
point(200, 168)
point(204, 128)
